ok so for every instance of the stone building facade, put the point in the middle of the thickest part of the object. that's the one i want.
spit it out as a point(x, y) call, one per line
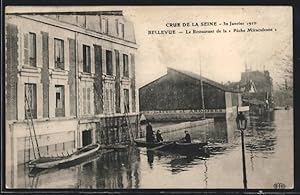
point(78, 72)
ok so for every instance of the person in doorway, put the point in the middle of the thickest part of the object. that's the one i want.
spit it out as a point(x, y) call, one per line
point(158, 136)
point(187, 138)
point(149, 133)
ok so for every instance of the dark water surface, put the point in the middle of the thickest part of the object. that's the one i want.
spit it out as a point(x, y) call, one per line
point(269, 160)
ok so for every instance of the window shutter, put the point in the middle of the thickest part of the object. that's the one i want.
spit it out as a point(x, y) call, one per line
point(88, 100)
point(26, 49)
point(84, 100)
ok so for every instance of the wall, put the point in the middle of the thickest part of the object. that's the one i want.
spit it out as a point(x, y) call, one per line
point(183, 115)
point(11, 63)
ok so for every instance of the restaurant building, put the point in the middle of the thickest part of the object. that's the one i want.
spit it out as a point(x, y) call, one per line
point(77, 72)
point(177, 95)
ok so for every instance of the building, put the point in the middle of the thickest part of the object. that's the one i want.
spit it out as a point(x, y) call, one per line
point(257, 88)
point(77, 71)
point(177, 96)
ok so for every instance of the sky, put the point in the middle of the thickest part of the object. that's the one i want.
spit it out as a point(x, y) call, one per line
point(221, 56)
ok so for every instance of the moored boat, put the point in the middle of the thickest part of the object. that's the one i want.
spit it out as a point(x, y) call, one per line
point(189, 146)
point(50, 162)
point(143, 143)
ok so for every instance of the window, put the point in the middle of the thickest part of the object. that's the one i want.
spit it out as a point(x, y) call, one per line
point(86, 101)
point(109, 66)
point(125, 66)
point(126, 100)
point(104, 25)
point(30, 49)
point(59, 101)
point(112, 102)
point(86, 59)
point(117, 58)
point(106, 103)
point(30, 101)
point(122, 34)
point(59, 53)
point(117, 26)
point(109, 101)
point(120, 29)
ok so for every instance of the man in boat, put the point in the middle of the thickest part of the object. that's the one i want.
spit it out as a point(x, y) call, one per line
point(187, 138)
point(149, 133)
point(158, 136)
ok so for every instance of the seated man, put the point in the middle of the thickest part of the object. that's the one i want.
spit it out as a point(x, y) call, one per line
point(158, 136)
point(187, 138)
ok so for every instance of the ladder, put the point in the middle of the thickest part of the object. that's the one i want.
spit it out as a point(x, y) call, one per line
point(126, 117)
point(131, 135)
point(30, 125)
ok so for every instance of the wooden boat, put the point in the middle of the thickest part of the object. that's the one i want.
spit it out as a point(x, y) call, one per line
point(185, 147)
point(189, 146)
point(143, 143)
point(50, 162)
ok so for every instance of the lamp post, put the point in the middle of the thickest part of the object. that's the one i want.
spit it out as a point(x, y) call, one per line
point(241, 123)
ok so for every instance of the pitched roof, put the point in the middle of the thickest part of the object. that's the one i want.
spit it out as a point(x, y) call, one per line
point(204, 79)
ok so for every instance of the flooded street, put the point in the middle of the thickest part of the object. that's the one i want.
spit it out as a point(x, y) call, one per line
point(269, 160)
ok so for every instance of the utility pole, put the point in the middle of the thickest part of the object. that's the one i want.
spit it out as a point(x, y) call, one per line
point(202, 95)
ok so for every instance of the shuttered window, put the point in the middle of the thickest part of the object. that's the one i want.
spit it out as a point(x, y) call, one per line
point(88, 101)
point(84, 101)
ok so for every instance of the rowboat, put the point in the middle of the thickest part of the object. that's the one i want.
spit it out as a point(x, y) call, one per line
point(50, 162)
point(143, 143)
point(181, 147)
point(189, 146)
point(173, 146)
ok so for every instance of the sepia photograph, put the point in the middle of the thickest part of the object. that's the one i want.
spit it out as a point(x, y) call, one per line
point(149, 97)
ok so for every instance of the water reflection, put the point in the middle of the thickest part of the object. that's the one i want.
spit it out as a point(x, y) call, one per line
point(150, 157)
point(267, 139)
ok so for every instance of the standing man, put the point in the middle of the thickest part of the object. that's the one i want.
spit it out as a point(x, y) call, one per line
point(149, 133)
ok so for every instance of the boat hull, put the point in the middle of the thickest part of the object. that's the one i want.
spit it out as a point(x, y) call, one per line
point(50, 162)
point(141, 143)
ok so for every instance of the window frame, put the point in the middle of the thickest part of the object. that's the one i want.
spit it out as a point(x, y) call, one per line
point(30, 49)
point(126, 100)
point(86, 58)
point(104, 25)
point(125, 66)
point(61, 63)
point(109, 63)
point(60, 111)
point(33, 110)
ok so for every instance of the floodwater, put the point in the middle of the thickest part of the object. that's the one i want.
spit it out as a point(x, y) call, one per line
point(269, 160)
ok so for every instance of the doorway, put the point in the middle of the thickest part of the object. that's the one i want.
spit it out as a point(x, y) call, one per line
point(86, 137)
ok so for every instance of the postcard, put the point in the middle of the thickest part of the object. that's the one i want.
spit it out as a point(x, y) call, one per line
point(149, 97)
